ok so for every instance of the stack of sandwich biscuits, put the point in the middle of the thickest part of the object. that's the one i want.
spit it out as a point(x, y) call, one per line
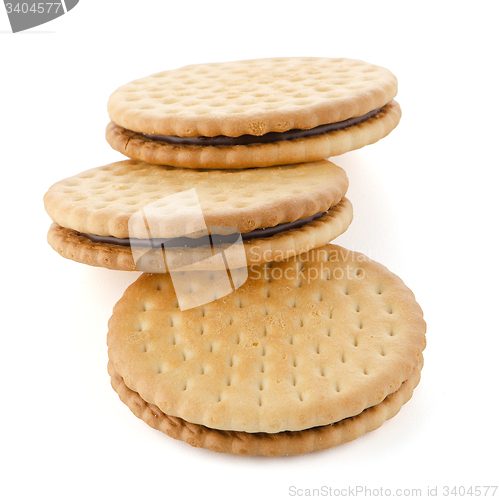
point(248, 331)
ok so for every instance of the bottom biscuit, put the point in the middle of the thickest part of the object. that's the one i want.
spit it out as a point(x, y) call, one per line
point(281, 443)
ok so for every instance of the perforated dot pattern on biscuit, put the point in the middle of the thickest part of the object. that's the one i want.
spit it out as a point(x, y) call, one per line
point(102, 200)
point(290, 368)
point(251, 97)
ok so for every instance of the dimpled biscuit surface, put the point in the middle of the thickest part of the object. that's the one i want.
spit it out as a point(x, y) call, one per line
point(102, 200)
point(302, 343)
point(251, 97)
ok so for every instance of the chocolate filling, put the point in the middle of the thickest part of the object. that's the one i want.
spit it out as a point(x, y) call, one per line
point(222, 140)
point(215, 239)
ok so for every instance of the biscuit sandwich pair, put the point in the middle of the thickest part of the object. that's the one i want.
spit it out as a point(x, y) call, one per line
point(248, 332)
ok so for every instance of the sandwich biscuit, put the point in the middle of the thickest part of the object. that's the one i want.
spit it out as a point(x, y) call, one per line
point(279, 212)
point(253, 113)
point(307, 353)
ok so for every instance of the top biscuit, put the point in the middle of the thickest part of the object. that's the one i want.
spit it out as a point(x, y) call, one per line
point(250, 98)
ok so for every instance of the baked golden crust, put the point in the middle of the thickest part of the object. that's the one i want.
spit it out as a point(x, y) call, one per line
point(282, 443)
point(251, 97)
point(102, 200)
point(302, 343)
point(312, 148)
point(74, 246)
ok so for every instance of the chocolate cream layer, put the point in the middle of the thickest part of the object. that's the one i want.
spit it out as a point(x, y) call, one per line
point(214, 239)
point(222, 140)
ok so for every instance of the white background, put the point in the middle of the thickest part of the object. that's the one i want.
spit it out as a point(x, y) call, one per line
point(424, 201)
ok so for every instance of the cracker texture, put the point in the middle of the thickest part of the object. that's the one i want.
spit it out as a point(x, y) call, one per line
point(139, 147)
point(282, 443)
point(102, 200)
point(74, 246)
point(251, 97)
point(302, 343)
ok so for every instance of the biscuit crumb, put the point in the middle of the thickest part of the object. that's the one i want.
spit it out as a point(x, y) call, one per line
point(257, 128)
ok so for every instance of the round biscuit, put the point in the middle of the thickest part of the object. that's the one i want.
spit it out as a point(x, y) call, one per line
point(74, 246)
point(251, 97)
point(102, 200)
point(305, 342)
